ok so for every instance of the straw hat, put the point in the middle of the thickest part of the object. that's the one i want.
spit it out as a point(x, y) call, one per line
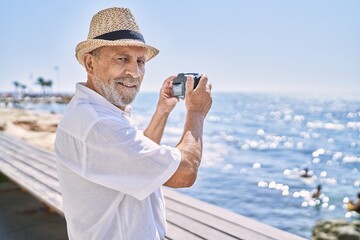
point(113, 27)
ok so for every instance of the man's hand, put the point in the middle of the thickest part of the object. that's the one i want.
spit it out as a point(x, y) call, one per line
point(166, 100)
point(198, 100)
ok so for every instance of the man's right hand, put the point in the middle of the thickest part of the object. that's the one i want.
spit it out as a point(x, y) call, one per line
point(198, 100)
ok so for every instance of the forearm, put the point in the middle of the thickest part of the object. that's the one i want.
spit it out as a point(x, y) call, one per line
point(190, 147)
point(191, 139)
point(155, 129)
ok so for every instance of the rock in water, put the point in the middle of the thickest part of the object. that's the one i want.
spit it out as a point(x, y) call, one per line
point(336, 230)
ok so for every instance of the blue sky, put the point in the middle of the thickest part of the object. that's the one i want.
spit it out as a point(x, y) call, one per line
point(259, 46)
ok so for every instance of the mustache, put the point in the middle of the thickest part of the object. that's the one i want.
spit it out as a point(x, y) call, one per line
point(127, 80)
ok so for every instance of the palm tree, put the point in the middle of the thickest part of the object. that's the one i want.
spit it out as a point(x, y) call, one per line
point(42, 83)
point(48, 84)
point(23, 87)
point(17, 85)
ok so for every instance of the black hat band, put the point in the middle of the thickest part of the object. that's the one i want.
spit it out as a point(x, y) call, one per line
point(121, 34)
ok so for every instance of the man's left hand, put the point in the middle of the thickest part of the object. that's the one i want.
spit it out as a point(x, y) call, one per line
point(166, 100)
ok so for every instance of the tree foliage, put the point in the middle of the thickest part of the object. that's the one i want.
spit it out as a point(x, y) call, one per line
point(44, 84)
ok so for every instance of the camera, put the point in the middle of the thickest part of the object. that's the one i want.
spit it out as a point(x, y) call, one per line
point(178, 86)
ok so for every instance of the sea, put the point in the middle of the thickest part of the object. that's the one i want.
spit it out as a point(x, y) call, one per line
point(256, 146)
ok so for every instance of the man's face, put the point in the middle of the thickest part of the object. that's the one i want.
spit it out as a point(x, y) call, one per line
point(118, 73)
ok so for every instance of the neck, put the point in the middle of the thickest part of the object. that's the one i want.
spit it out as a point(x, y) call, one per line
point(90, 85)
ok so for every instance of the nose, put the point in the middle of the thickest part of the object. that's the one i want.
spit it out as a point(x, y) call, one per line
point(133, 70)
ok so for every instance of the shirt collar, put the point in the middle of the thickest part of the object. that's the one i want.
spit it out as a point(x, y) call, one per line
point(83, 91)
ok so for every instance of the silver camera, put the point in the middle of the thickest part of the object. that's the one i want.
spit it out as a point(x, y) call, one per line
point(179, 83)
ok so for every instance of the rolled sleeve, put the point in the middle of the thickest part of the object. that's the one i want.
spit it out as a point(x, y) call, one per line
point(122, 158)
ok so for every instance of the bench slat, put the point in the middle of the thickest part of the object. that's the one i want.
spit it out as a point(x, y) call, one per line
point(32, 150)
point(196, 227)
point(177, 232)
point(213, 221)
point(33, 162)
point(34, 173)
point(40, 191)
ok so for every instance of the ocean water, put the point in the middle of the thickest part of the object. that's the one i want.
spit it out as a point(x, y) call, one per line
point(255, 146)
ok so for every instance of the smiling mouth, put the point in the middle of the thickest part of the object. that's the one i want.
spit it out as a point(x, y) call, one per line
point(127, 85)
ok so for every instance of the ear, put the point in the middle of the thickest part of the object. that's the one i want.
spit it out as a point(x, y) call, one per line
point(89, 63)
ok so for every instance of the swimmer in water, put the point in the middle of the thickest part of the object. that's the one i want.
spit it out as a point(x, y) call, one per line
point(316, 192)
point(306, 173)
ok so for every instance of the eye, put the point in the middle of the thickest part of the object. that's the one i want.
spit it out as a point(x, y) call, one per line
point(141, 62)
point(123, 59)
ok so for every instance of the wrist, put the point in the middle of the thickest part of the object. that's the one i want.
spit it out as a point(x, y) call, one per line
point(162, 111)
point(196, 114)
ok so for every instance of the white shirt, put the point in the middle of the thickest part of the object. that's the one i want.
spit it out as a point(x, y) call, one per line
point(110, 174)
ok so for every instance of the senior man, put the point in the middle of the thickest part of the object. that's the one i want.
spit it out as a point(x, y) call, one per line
point(110, 173)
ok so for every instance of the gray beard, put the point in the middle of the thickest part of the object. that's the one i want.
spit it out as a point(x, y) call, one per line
point(112, 94)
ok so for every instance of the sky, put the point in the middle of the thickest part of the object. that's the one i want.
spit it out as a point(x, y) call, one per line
point(306, 46)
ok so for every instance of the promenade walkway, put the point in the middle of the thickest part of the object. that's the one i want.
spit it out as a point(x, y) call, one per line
point(34, 170)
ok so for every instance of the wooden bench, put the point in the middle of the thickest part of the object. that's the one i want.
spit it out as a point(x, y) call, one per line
point(34, 169)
